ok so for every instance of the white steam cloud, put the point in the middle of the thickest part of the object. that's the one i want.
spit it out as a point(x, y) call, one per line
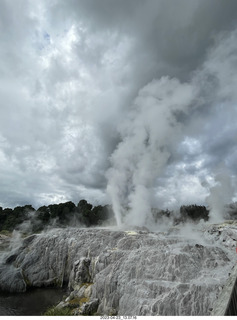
point(155, 126)
point(220, 195)
point(151, 128)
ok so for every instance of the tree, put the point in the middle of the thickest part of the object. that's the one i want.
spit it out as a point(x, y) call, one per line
point(43, 214)
point(194, 212)
point(83, 212)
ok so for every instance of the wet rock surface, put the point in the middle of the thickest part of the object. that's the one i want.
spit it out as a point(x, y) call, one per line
point(134, 272)
point(4, 241)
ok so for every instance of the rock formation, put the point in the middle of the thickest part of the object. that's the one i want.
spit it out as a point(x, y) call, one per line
point(134, 272)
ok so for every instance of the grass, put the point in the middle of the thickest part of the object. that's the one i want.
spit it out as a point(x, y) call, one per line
point(73, 304)
point(53, 311)
point(5, 233)
point(66, 311)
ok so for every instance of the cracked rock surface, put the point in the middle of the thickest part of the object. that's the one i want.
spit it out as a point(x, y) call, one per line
point(134, 272)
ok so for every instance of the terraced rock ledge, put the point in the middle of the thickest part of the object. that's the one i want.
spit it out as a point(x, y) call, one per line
point(126, 272)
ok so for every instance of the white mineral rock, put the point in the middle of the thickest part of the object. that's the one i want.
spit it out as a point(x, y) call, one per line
point(128, 273)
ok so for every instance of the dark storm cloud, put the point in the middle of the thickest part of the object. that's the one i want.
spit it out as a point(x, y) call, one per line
point(171, 37)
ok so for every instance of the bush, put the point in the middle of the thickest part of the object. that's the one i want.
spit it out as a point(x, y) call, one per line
point(53, 311)
point(5, 233)
point(158, 214)
point(194, 212)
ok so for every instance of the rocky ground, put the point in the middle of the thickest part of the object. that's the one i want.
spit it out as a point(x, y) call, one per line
point(127, 272)
point(4, 242)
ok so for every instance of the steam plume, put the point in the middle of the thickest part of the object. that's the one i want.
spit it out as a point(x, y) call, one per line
point(220, 195)
point(155, 125)
point(147, 135)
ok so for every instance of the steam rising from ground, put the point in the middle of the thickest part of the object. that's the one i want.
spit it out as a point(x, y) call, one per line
point(220, 194)
point(156, 125)
point(149, 131)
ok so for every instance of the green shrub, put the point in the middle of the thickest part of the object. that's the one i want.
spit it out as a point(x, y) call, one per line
point(53, 311)
point(6, 233)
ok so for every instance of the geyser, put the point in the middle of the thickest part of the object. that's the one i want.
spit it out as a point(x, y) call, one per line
point(151, 128)
point(156, 124)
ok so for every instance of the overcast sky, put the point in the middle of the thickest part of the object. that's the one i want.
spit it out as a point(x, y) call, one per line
point(73, 72)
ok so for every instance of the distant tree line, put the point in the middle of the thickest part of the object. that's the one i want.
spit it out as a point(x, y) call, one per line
point(194, 213)
point(26, 218)
point(186, 213)
point(57, 215)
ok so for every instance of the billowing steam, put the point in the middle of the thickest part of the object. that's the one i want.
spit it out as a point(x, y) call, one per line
point(221, 194)
point(142, 155)
point(156, 123)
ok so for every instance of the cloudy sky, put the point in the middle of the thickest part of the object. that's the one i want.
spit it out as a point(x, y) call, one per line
point(108, 100)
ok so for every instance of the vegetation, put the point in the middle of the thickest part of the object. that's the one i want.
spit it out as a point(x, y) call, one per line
point(10, 218)
point(53, 311)
point(5, 233)
point(194, 212)
point(158, 214)
point(28, 220)
point(189, 212)
point(59, 215)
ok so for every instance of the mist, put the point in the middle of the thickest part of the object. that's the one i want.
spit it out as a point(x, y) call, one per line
point(159, 121)
point(221, 194)
point(148, 133)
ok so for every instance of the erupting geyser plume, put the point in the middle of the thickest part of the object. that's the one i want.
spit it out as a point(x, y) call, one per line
point(221, 193)
point(155, 125)
point(152, 127)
